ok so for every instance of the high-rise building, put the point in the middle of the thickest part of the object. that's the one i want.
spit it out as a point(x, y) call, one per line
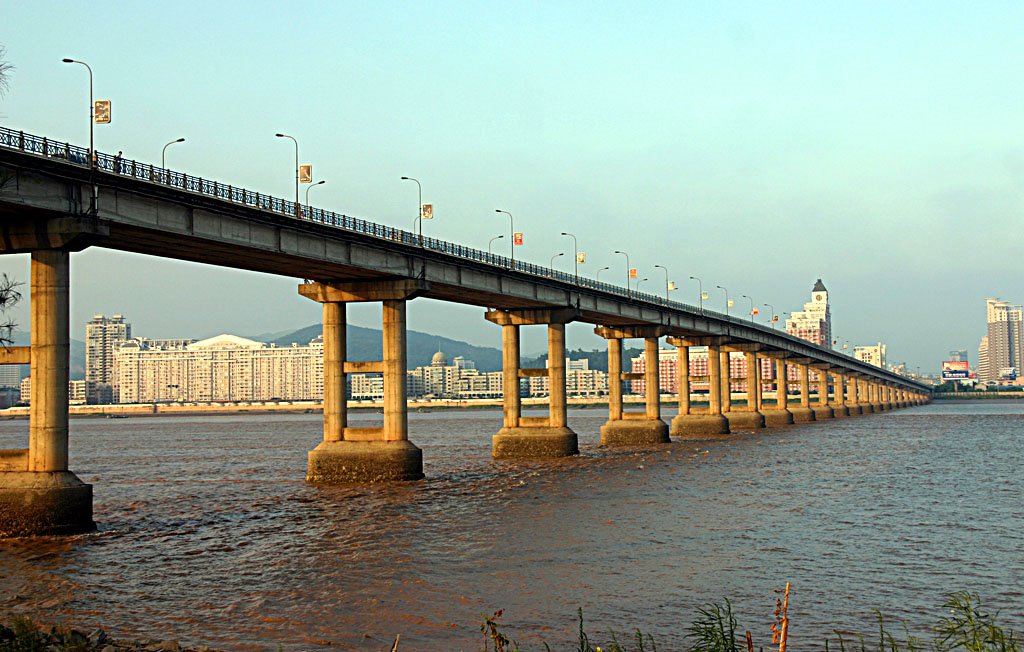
point(873, 354)
point(814, 322)
point(102, 336)
point(984, 369)
point(1005, 353)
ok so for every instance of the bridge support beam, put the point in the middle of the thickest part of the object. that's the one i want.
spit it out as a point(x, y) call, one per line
point(523, 437)
point(852, 400)
point(839, 409)
point(686, 423)
point(803, 413)
point(362, 455)
point(780, 416)
point(38, 494)
point(750, 418)
point(822, 410)
point(625, 428)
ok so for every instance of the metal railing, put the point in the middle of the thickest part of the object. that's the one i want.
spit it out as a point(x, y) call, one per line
point(146, 172)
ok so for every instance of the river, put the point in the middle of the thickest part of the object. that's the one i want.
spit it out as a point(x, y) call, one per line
point(208, 533)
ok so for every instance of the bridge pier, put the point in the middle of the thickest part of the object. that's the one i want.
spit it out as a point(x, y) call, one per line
point(521, 436)
point(687, 424)
point(804, 413)
point(360, 455)
point(822, 410)
point(749, 418)
point(839, 409)
point(38, 494)
point(633, 428)
point(780, 415)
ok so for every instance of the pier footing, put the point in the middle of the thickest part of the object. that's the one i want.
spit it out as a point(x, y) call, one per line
point(745, 421)
point(634, 432)
point(688, 425)
point(358, 462)
point(44, 503)
point(512, 443)
point(802, 414)
point(774, 418)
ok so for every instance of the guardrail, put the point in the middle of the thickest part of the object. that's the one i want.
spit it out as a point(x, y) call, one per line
point(75, 155)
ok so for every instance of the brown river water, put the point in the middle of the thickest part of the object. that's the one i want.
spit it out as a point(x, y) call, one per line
point(208, 533)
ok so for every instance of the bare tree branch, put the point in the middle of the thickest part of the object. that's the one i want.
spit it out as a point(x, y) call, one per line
point(9, 297)
point(6, 68)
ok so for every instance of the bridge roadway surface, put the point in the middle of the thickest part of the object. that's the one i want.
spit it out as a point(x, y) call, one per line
point(204, 221)
point(53, 202)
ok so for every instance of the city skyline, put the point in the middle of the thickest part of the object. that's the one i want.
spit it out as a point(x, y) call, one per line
point(865, 175)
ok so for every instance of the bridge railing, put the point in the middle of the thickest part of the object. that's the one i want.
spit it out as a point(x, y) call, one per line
point(149, 173)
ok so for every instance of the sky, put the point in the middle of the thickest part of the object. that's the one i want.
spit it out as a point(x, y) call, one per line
point(758, 146)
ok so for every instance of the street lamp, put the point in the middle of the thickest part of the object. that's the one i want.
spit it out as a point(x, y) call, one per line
point(597, 277)
point(296, 168)
point(551, 265)
point(92, 105)
point(700, 292)
point(664, 269)
point(575, 256)
point(313, 185)
point(627, 269)
point(512, 234)
point(419, 217)
point(772, 319)
point(497, 237)
point(163, 153)
point(751, 307)
point(726, 298)
point(638, 284)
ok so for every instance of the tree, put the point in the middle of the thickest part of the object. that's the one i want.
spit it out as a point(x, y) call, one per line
point(9, 296)
point(6, 69)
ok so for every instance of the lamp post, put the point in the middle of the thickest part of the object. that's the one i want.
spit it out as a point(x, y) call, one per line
point(419, 217)
point(664, 269)
point(497, 237)
point(700, 292)
point(751, 307)
point(597, 277)
point(638, 284)
point(551, 265)
point(575, 256)
point(726, 298)
point(772, 319)
point(163, 153)
point(512, 234)
point(92, 105)
point(296, 168)
point(627, 269)
point(313, 185)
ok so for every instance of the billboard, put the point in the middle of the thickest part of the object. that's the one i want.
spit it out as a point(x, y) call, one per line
point(955, 370)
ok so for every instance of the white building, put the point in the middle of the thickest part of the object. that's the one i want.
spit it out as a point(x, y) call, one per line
point(222, 368)
point(814, 322)
point(580, 381)
point(1003, 345)
point(873, 354)
point(102, 337)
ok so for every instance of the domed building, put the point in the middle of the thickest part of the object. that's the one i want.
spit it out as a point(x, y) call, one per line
point(439, 360)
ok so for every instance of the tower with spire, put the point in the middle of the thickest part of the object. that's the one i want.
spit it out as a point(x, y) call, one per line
point(814, 322)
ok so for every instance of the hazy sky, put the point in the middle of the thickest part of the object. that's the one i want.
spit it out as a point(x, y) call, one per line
point(759, 146)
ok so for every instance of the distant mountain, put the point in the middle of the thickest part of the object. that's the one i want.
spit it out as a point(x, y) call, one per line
point(598, 358)
point(367, 344)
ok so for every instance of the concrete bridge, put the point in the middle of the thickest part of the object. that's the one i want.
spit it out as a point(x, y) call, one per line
point(57, 198)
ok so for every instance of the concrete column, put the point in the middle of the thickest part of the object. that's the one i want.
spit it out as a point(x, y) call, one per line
point(750, 418)
point(335, 402)
point(51, 346)
point(822, 410)
point(396, 414)
point(652, 378)
point(839, 408)
point(780, 416)
point(714, 381)
point(556, 376)
point(38, 494)
point(804, 413)
point(614, 379)
point(683, 372)
point(510, 374)
point(863, 393)
point(726, 383)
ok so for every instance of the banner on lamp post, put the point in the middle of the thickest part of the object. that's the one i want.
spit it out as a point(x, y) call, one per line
point(101, 112)
point(306, 173)
point(517, 238)
point(632, 272)
point(581, 257)
point(427, 211)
